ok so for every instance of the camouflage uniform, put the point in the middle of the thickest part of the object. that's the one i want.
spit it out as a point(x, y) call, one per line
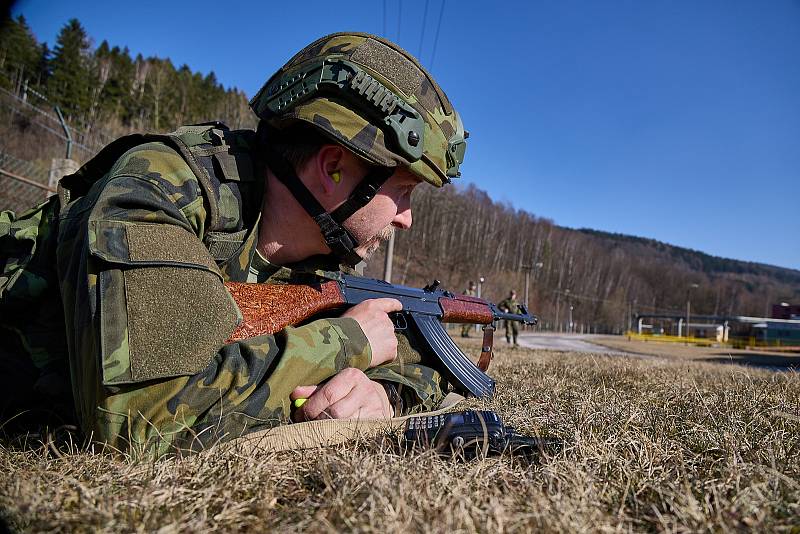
point(510, 304)
point(148, 314)
point(133, 259)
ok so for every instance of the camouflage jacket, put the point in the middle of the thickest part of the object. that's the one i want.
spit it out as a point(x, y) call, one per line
point(141, 256)
point(509, 304)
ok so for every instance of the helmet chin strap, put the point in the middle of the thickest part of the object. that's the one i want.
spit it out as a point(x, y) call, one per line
point(341, 242)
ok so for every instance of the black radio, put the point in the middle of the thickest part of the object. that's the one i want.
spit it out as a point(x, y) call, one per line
point(472, 433)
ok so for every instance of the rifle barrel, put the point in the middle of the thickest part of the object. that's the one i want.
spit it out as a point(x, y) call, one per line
point(527, 319)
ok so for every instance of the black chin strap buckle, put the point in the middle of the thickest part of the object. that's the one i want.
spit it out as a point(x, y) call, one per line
point(339, 240)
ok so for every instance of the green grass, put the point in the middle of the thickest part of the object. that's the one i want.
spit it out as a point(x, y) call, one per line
point(650, 445)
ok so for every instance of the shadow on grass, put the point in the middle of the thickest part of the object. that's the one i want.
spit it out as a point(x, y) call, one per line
point(762, 361)
point(4, 528)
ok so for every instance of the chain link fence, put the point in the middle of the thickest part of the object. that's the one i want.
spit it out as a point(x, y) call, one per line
point(23, 184)
point(31, 135)
point(22, 119)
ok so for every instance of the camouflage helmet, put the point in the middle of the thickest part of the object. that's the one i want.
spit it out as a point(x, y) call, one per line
point(373, 97)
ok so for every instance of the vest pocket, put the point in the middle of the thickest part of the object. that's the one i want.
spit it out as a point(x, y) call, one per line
point(164, 310)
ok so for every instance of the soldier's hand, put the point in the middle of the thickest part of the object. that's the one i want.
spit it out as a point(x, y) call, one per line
point(348, 395)
point(373, 317)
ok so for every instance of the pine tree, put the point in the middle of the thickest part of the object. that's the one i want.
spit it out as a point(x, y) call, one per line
point(108, 86)
point(19, 52)
point(43, 66)
point(71, 82)
point(116, 99)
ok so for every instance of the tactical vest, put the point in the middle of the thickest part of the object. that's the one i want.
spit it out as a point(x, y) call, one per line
point(31, 342)
point(220, 158)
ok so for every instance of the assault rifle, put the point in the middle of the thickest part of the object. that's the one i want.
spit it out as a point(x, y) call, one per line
point(268, 308)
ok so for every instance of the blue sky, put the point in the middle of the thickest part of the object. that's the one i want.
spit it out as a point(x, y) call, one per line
point(678, 121)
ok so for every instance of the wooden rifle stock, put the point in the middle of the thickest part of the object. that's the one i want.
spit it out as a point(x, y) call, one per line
point(269, 308)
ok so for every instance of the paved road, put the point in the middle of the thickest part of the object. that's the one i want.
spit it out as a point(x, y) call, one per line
point(563, 342)
point(583, 343)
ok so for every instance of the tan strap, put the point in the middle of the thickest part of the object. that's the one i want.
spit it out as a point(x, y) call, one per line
point(486, 348)
point(327, 432)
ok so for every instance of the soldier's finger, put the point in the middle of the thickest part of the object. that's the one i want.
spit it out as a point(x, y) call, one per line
point(332, 391)
point(302, 392)
point(388, 305)
point(346, 408)
point(361, 403)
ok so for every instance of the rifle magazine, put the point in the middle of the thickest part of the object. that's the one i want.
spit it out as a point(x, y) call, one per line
point(458, 369)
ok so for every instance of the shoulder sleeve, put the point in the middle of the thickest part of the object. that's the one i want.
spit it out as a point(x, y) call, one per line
point(161, 166)
point(147, 315)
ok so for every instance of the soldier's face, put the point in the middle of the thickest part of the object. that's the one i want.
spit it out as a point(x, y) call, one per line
point(389, 210)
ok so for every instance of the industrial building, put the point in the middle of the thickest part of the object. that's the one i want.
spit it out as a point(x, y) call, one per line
point(783, 330)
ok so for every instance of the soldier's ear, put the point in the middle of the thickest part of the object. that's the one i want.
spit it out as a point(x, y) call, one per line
point(329, 168)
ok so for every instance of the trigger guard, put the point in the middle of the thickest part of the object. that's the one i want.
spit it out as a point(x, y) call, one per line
point(399, 321)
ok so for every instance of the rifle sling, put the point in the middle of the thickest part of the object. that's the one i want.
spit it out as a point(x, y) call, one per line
point(486, 348)
point(326, 432)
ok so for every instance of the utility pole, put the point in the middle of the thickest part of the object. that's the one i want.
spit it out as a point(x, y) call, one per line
point(481, 280)
point(630, 316)
point(387, 265)
point(528, 269)
point(689, 306)
point(570, 318)
point(557, 325)
point(688, 315)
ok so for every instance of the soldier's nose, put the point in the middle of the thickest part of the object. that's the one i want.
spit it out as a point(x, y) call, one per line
point(402, 219)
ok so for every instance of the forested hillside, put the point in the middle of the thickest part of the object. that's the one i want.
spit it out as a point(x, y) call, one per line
point(459, 233)
point(106, 91)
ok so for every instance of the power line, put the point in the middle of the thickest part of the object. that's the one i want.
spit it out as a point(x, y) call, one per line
point(399, 18)
point(574, 296)
point(436, 37)
point(384, 18)
point(422, 32)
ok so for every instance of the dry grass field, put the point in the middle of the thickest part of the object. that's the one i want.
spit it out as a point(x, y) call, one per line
point(649, 445)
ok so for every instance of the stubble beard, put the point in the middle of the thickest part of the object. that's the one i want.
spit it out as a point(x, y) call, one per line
point(375, 242)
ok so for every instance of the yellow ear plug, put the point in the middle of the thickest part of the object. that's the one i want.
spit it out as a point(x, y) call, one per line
point(336, 176)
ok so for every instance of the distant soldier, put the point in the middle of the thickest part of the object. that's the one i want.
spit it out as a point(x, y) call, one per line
point(510, 304)
point(470, 291)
